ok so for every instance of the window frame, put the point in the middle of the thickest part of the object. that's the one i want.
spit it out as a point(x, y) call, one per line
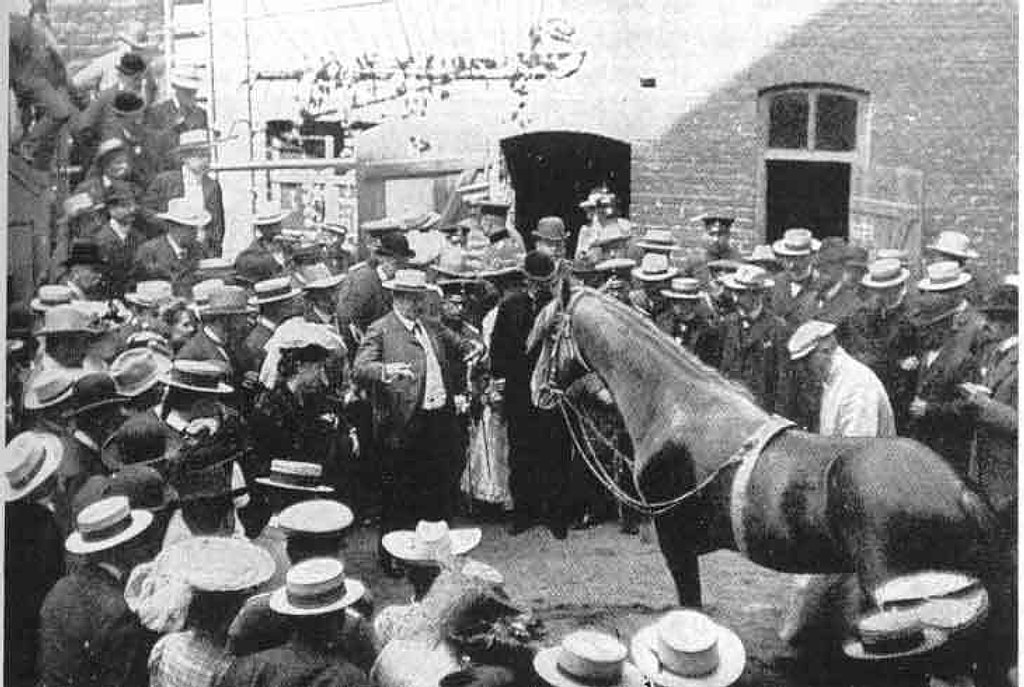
point(862, 146)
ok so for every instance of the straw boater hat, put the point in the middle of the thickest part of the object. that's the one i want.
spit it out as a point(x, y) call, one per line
point(222, 564)
point(315, 518)
point(658, 240)
point(185, 79)
point(885, 273)
point(762, 255)
point(270, 213)
point(382, 226)
point(201, 291)
point(151, 294)
point(181, 211)
point(204, 376)
point(408, 281)
point(296, 476)
point(49, 388)
point(550, 229)
point(28, 461)
point(796, 242)
point(318, 277)
point(686, 648)
point(684, 289)
point(227, 300)
point(193, 140)
point(70, 319)
point(890, 634)
point(807, 336)
point(893, 254)
point(944, 276)
point(50, 296)
point(215, 268)
point(616, 265)
point(273, 291)
point(654, 267)
point(316, 587)
point(137, 370)
point(587, 657)
point(610, 236)
point(431, 541)
point(748, 278)
point(105, 524)
point(954, 244)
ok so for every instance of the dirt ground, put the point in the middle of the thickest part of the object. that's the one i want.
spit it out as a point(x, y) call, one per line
point(604, 579)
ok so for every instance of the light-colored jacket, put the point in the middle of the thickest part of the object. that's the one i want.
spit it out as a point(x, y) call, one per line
point(853, 401)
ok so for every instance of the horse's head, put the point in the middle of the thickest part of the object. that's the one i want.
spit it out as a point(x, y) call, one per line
point(559, 363)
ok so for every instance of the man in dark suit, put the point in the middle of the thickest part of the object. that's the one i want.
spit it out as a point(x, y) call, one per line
point(277, 301)
point(796, 289)
point(837, 298)
point(953, 337)
point(538, 443)
point(175, 255)
point(225, 324)
point(265, 257)
point(88, 635)
point(190, 179)
point(172, 117)
point(362, 298)
point(403, 360)
point(119, 239)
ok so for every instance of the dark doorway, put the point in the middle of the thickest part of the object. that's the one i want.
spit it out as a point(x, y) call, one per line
point(552, 171)
point(815, 195)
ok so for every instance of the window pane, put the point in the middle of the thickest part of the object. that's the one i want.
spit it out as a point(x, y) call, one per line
point(837, 123)
point(787, 127)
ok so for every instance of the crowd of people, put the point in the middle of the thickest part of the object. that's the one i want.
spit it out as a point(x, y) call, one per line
point(184, 428)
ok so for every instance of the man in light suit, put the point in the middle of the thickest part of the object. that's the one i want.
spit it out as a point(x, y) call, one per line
point(403, 360)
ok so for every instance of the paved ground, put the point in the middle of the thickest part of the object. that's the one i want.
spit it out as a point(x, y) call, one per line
point(601, 578)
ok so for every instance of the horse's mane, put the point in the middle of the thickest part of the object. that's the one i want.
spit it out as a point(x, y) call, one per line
point(645, 328)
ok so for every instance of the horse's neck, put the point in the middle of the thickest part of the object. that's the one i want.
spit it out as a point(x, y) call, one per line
point(667, 399)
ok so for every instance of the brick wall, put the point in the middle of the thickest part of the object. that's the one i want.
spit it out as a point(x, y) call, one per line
point(87, 28)
point(942, 78)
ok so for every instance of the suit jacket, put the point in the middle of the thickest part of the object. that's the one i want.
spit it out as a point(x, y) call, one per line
point(994, 466)
point(170, 184)
point(885, 341)
point(88, 636)
point(202, 347)
point(756, 356)
point(292, 665)
point(362, 298)
point(252, 354)
point(257, 263)
point(509, 358)
point(167, 121)
point(794, 310)
point(839, 309)
point(157, 260)
point(118, 257)
point(388, 341)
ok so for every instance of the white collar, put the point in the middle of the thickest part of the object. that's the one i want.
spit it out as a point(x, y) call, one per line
point(1007, 344)
point(85, 439)
point(381, 274)
point(112, 569)
point(213, 335)
point(324, 316)
point(175, 246)
point(406, 322)
point(119, 229)
point(76, 291)
point(268, 323)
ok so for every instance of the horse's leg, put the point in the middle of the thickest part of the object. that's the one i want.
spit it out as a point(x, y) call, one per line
point(679, 546)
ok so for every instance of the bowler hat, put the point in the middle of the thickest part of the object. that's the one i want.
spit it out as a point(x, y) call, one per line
point(144, 486)
point(131, 64)
point(539, 266)
point(550, 229)
point(127, 103)
point(394, 245)
point(93, 391)
point(717, 224)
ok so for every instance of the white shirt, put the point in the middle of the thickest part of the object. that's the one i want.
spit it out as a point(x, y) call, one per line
point(119, 229)
point(854, 402)
point(434, 396)
point(193, 184)
point(179, 252)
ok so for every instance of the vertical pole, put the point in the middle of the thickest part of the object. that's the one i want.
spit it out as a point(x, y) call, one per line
point(248, 98)
point(168, 39)
point(210, 76)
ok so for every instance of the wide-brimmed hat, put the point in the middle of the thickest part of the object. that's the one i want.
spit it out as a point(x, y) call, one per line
point(610, 236)
point(762, 255)
point(538, 266)
point(151, 293)
point(27, 461)
point(807, 336)
point(315, 518)
point(70, 319)
point(394, 245)
point(658, 240)
point(955, 244)
point(137, 370)
point(616, 265)
point(889, 634)
point(684, 289)
point(716, 224)
point(654, 267)
point(143, 485)
point(381, 227)
point(222, 564)
point(747, 278)
point(50, 296)
point(105, 524)
point(316, 587)
point(408, 281)
point(686, 648)
point(296, 475)
point(885, 273)
point(227, 300)
point(796, 242)
point(318, 276)
point(269, 213)
point(550, 229)
point(83, 252)
point(273, 290)
point(585, 658)
point(131, 64)
point(49, 388)
point(95, 391)
point(193, 140)
point(184, 212)
point(431, 541)
point(950, 601)
point(186, 79)
point(944, 276)
point(204, 376)
point(201, 291)
point(127, 104)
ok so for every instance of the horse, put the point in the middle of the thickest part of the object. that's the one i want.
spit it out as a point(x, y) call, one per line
point(784, 498)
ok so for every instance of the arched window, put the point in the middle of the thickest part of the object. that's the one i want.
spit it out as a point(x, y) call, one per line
point(812, 136)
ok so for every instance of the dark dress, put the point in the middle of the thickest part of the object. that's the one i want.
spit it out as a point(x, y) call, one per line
point(292, 665)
